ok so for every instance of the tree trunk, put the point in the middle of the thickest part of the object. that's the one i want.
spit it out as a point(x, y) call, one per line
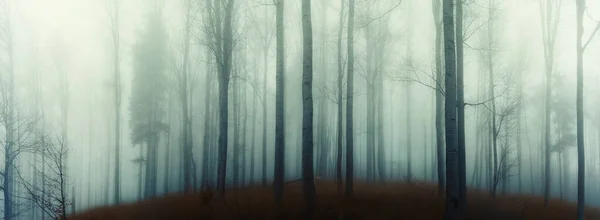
point(437, 10)
point(338, 167)
point(236, 130)
point(264, 122)
point(462, 160)
point(350, 104)
point(224, 73)
point(452, 172)
point(580, 131)
point(279, 108)
point(183, 95)
point(307, 110)
point(116, 42)
point(207, 131)
point(370, 106)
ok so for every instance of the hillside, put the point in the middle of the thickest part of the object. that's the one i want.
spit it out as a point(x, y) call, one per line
point(379, 201)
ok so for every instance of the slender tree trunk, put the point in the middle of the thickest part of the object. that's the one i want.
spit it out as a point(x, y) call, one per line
point(462, 160)
point(452, 172)
point(580, 131)
point(116, 43)
point(340, 101)
point(185, 115)
point(207, 130)
point(408, 134)
point(437, 11)
point(370, 106)
point(279, 108)
point(307, 110)
point(264, 122)
point(350, 104)
point(236, 130)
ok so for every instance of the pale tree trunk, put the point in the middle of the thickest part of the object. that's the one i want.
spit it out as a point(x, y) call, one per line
point(338, 167)
point(452, 172)
point(549, 20)
point(116, 37)
point(380, 142)
point(437, 10)
point(183, 95)
point(494, 128)
point(307, 110)
point(462, 166)
point(279, 107)
point(264, 122)
point(370, 106)
point(350, 104)
point(322, 131)
point(408, 134)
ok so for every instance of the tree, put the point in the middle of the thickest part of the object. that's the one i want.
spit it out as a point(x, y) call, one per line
point(183, 83)
point(549, 12)
point(452, 172)
point(221, 43)
point(279, 107)
point(50, 197)
point(462, 166)
point(350, 104)
point(148, 94)
point(340, 77)
point(437, 11)
point(116, 38)
point(307, 110)
point(580, 139)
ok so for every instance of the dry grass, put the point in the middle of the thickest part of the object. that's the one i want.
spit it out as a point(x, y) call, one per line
point(379, 201)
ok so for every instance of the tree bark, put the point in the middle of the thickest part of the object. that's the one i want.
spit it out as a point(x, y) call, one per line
point(452, 172)
point(338, 167)
point(437, 9)
point(307, 110)
point(462, 160)
point(279, 107)
point(350, 104)
point(224, 73)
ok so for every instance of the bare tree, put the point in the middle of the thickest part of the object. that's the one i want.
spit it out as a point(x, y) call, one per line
point(580, 132)
point(221, 43)
point(50, 197)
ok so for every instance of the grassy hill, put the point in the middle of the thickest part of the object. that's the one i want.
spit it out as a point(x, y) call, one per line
point(378, 201)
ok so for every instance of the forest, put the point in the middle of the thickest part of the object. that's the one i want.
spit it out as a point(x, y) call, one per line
point(290, 109)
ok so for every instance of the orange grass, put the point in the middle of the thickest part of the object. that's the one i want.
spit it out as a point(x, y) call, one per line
point(372, 202)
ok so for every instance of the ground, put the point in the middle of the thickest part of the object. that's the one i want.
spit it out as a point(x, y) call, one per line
point(378, 201)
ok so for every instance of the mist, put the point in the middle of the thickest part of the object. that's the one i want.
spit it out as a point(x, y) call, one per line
point(107, 102)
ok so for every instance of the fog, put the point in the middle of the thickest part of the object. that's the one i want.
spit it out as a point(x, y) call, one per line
point(61, 54)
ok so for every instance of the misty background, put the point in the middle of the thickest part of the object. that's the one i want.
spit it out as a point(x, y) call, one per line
point(61, 44)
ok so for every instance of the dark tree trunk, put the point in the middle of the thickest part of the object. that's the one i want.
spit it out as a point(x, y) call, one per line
point(279, 108)
point(224, 73)
point(307, 110)
point(452, 173)
point(462, 160)
point(350, 104)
